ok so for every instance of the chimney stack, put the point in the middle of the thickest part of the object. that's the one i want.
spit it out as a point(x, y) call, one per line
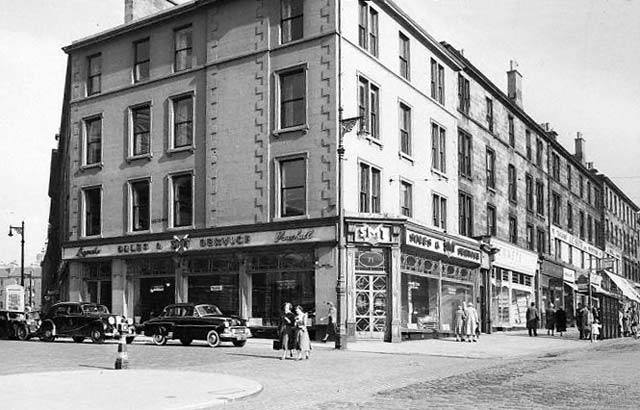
point(514, 84)
point(580, 149)
point(137, 9)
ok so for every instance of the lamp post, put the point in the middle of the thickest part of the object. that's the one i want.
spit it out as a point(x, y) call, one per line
point(346, 126)
point(20, 230)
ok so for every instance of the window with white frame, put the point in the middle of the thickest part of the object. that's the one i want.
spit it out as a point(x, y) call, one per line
point(437, 81)
point(368, 107)
point(92, 211)
point(369, 189)
point(404, 56)
point(292, 95)
point(92, 150)
point(368, 28)
point(182, 121)
point(140, 139)
point(139, 205)
point(181, 189)
point(94, 74)
point(405, 129)
point(291, 20)
point(439, 205)
point(406, 198)
point(293, 187)
point(183, 48)
point(438, 148)
point(141, 60)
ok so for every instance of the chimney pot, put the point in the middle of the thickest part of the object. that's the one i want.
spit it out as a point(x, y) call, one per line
point(580, 153)
point(514, 84)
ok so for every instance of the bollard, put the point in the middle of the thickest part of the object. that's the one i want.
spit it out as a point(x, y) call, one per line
point(122, 361)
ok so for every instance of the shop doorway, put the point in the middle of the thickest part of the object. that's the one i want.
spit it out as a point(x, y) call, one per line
point(371, 305)
point(155, 294)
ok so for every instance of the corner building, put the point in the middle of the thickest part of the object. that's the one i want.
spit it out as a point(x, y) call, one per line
point(198, 161)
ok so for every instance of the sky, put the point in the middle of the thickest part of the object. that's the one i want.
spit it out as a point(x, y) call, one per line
point(579, 60)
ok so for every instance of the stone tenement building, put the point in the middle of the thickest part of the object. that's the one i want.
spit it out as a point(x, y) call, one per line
point(252, 152)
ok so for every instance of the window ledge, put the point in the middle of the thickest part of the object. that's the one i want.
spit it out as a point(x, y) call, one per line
point(492, 190)
point(85, 167)
point(132, 158)
point(304, 128)
point(180, 228)
point(290, 218)
point(134, 233)
point(189, 148)
point(98, 236)
point(441, 175)
point(371, 139)
point(407, 157)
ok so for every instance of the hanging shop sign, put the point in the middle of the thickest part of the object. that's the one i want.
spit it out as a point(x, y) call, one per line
point(185, 244)
point(569, 275)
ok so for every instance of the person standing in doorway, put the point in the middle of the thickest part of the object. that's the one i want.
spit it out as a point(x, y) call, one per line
point(532, 319)
point(331, 324)
point(550, 314)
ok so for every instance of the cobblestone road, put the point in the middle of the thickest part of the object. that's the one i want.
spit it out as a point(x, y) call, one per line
point(588, 377)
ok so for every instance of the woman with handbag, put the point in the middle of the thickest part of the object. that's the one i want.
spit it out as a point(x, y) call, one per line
point(302, 334)
point(286, 330)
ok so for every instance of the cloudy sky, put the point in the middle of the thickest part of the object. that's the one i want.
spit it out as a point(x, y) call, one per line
point(579, 59)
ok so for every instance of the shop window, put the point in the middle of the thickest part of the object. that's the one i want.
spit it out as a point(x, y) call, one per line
point(419, 302)
point(216, 289)
point(270, 290)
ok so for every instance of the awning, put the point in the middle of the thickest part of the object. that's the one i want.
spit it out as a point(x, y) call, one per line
point(625, 287)
point(572, 285)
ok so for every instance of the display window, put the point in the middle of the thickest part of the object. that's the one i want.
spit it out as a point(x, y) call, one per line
point(214, 280)
point(419, 302)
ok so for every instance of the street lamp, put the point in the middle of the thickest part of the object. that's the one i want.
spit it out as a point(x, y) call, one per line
point(346, 126)
point(20, 230)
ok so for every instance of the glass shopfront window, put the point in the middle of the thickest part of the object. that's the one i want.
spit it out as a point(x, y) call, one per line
point(511, 295)
point(280, 278)
point(419, 302)
point(214, 280)
point(520, 301)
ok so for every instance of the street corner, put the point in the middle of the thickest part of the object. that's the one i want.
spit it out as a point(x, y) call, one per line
point(123, 389)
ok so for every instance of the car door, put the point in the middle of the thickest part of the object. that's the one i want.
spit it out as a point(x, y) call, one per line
point(75, 320)
point(61, 319)
point(180, 327)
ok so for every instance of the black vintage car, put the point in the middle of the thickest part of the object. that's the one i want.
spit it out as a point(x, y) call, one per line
point(80, 320)
point(187, 322)
point(18, 325)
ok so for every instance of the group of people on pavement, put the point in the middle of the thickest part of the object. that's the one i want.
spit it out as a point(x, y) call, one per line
point(588, 322)
point(628, 322)
point(466, 323)
point(293, 333)
point(556, 320)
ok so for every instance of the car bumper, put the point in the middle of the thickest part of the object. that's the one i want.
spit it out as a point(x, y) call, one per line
point(235, 334)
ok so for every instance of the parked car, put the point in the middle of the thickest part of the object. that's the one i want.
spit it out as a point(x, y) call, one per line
point(80, 320)
point(18, 325)
point(187, 322)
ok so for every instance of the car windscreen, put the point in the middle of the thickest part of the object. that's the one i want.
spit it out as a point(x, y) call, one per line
point(206, 310)
point(95, 309)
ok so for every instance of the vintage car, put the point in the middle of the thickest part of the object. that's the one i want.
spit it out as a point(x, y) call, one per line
point(80, 320)
point(18, 325)
point(187, 322)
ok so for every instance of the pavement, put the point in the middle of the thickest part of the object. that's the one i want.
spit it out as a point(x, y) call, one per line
point(123, 389)
point(198, 377)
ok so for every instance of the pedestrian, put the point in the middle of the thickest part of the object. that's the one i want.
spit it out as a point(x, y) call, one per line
point(331, 324)
point(286, 330)
point(625, 323)
point(595, 330)
point(550, 314)
point(471, 322)
point(635, 319)
point(459, 324)
point(587, 321)
point(561, 320)
point(303, 344)
point(532, 319)
point(579, 321)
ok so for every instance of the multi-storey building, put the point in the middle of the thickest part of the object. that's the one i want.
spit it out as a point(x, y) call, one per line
point(199, 162)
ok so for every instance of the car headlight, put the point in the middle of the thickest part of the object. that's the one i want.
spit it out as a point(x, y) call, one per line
point(112, 320)
point(226, 324)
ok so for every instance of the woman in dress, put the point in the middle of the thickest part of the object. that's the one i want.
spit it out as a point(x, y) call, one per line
point(459, 328)
point(471, 322)
point(302, 335)
point(550, 315)
point(287, 326)
point(561, 320)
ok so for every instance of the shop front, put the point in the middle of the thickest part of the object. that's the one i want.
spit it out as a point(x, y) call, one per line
point(552, 288)
point(603, 299)
point(438, 274)
point(512, 285)
point(250, 274)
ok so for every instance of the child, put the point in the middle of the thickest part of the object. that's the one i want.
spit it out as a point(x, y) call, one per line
point(595, 330)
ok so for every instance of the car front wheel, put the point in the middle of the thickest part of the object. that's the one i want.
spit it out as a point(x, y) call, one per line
point(97, 335)
point(159, 339)
point(213, 339)
point(239, 343)
point(47, 335)
point(22, 333)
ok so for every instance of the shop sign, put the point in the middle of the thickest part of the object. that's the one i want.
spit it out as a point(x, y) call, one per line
point(569, 275)
point(373, 234)
point(216, 288)
point(228, 241)
point(298, 236)
point(157, 288)
point(467, 254)
point(564, 236)
point(140, 247)
point(514, 258)
point(426, 242)
point(84, 252)
point(286, 284)
point(371, 259)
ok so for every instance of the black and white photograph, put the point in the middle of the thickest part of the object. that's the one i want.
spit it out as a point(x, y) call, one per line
point(319, 204)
